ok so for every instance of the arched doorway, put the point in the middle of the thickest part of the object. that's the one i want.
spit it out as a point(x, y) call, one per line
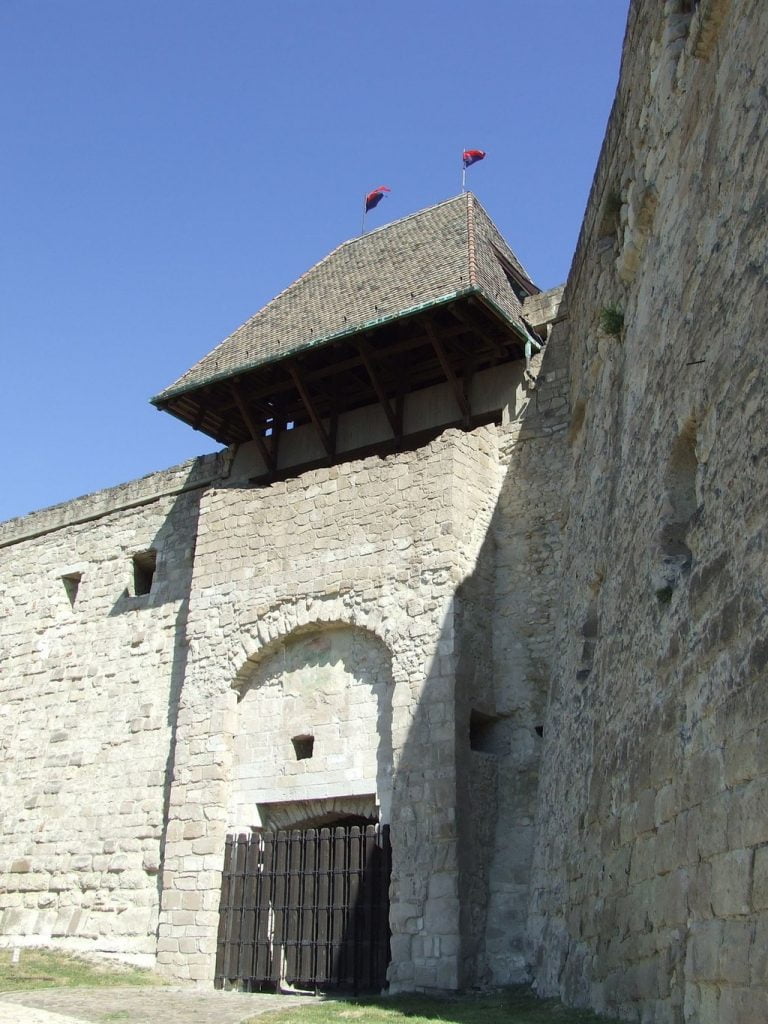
point(305, 901)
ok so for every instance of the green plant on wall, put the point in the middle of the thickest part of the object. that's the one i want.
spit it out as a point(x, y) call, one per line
point(611, 321)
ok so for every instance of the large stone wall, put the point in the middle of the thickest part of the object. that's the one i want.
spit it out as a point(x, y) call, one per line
point(398, 556)
point(91, 673)
point(650, 878)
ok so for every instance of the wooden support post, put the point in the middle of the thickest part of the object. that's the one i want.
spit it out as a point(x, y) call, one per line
point(450, 376)
point(264, 452)
point(400, 412)
point(473, 328)
point(309, 406)
point(366, 354)
point(198, 417)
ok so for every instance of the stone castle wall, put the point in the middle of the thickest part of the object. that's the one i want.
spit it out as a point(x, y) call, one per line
point(90, 677)
point(650, 877)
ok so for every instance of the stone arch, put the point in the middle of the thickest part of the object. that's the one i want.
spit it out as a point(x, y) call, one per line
point(269, 628)
point(313, 724)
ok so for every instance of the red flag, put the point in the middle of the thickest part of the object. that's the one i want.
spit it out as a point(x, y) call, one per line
point(375, 197)
point(471, 156)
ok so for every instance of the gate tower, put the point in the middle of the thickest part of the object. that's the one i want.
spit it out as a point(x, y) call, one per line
point(340, 621)
point(392, 338)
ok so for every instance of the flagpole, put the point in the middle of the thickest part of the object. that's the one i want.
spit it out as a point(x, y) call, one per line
point(463, 172)
point(362, 225)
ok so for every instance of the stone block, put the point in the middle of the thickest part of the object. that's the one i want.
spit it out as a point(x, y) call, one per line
point(760, 879)
point(441, 916)
point(443, 883)
point(743, 1005)
point(667, 803)
point(700, 890)
point(748, 817)
point(731, 882)
point(710, 822)
point(758, 954)
point(672, 898)
point(734, 954)
point(703, 956)
point(740, 758)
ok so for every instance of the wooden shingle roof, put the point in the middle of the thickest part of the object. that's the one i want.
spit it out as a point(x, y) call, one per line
point(432, 257)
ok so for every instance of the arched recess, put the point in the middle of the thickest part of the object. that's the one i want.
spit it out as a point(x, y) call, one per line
point(266, 628)
point(314, 729)
point(679, 507)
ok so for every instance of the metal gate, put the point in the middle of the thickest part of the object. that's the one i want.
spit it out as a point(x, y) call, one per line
point(305, 909)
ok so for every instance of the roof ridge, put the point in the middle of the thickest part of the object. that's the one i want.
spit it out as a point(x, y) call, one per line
point(471, 249)
point(476, 204)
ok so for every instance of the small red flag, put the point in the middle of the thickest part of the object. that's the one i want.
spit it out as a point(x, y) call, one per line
point(375, 197)
point(471, 156)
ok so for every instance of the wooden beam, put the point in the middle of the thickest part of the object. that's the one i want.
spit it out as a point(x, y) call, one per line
point(330, 368)
point(450, 376)
point(400, 411)
point(309, 406)
point(199, 416)
point(366, 354)
point(514, 341)
point(253, 430)
point(474, 328)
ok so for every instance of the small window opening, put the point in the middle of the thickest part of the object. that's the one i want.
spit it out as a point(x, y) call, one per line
point(485, 733)
point(71, 581)
point(144, 566)
point(304, 747)
point(539, 730)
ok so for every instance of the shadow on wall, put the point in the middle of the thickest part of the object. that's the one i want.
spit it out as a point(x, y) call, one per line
point(474, 744)
point(161, 575)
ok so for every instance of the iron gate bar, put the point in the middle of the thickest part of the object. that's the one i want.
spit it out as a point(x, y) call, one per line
point(305, 908)
point(262, 965)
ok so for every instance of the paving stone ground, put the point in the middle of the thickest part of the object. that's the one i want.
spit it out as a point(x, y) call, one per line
point(131, 1005)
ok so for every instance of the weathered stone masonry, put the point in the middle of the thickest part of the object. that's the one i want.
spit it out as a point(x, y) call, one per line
point(649, 891)
point(90, 683)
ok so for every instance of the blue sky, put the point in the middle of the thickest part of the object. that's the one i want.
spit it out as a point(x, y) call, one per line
point(170, 165)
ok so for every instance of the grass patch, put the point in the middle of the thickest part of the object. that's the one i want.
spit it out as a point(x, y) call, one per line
point(611, 321)
point(512, 1006)
point(47, 968)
